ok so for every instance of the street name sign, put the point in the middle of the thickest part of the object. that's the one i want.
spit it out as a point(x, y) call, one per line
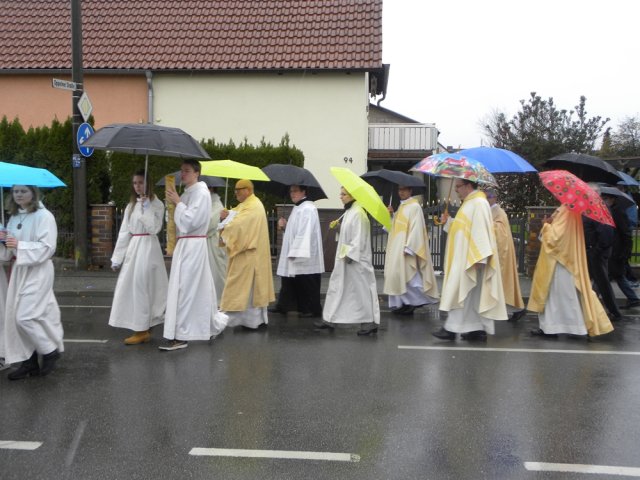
point(65, 84)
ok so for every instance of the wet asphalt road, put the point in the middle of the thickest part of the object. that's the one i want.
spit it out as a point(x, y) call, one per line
point(114, 412)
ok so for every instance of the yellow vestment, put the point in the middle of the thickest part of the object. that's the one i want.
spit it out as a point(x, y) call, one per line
point(507, 256)
point(471, 241)
point(563, 242)
point(408, 231)
point(246, 237)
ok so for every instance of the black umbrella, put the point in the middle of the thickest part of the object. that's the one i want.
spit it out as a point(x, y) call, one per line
point(146, 139)
point(283, 176)
point(211, 181)
point(386, 182)
point(585, 167)
point(622, 199)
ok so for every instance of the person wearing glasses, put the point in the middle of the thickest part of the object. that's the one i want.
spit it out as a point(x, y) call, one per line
point(31, 325)
point(472, 292)
point(248, 289)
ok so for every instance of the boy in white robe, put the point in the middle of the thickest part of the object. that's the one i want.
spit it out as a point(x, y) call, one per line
point(192, 305)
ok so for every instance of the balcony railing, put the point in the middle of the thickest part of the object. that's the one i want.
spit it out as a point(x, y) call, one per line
point(403, 136)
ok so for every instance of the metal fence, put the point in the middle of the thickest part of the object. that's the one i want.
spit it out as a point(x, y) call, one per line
point(438, 239)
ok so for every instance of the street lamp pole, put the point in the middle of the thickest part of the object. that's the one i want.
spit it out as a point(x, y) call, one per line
point(79, 167)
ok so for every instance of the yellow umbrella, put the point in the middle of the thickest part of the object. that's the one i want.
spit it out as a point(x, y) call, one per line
point(230, 169)
point(364, 194)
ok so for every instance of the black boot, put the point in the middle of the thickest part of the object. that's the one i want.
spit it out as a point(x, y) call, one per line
point(48, 362)
point(444, 334)
point(367, 329)
point(27, 368)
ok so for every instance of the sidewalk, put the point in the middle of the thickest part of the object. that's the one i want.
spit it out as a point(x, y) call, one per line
point(69, 281)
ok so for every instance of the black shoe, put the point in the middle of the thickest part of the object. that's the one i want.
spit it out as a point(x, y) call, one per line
point(48, 362)
point(409, 310)
point(367, 331)
point(323, 326)
point(307, 315)
point(27, 368)
point(276, 309)
point(538, 332)
point(631, 304)
point(262, 326)
point(476, 335)
point(400, 310)
point(444, 334)
point(518, 315)
point(574, 336)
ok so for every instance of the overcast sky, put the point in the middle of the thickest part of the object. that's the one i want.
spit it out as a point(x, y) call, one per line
point(455, 61)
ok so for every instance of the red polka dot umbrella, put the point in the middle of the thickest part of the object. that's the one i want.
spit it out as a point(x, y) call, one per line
point(576, 195)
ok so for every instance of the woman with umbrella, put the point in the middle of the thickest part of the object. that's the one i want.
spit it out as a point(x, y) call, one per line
point(139, 300)
point(32, 317)
point(561, 290)
point(352, 296)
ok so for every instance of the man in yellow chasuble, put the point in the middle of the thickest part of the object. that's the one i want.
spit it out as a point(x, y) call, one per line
point(472, 287)
point(249, 285)
point(507, 255)
point(409, 279)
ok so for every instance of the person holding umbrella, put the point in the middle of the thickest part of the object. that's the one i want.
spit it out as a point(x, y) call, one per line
point(409, 279)
point(139, 299)
point(192, 306)
point(561, 291)
point(352, 297)
point(301, 260)
point(31, 324)
point(472, 292)
point(249, 286)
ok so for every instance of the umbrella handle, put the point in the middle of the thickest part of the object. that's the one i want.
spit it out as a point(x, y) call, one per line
point(436, 219)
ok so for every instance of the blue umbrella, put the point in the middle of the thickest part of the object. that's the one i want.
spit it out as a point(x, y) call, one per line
point(498, 160)
point(627, 180)
point(12, 174)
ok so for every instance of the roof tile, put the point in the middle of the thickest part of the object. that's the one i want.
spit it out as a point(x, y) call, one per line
point(195, 34)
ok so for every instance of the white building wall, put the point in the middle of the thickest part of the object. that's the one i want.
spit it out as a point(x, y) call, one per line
point(324, 114)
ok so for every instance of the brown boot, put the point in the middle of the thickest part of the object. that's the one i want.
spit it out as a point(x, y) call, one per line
point(138, 338)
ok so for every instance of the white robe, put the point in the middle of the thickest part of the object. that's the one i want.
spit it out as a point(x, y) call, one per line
point(192, 304)
point(352, 296)
point(140, 299)
point(301, 252)
point(217, 254)
point(563, 311)
point(3, 301)
point(32, 316)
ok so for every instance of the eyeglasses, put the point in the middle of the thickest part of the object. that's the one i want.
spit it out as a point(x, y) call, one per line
point(239, 189)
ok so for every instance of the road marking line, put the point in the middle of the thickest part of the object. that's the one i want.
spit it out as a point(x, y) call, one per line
point(579, 468)
point(84, 306)
point(297, 455)
point(83, 340)
point(14, 445)
point(519, 350)
point(73, 448)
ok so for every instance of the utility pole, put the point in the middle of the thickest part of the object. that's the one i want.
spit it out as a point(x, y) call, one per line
point(78, 162)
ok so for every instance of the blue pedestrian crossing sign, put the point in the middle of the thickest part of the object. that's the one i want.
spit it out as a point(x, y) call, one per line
point(84, 132)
